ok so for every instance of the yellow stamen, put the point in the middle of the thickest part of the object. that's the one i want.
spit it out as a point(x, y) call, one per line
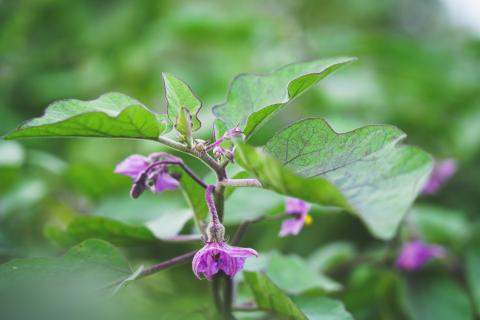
point(308, 219)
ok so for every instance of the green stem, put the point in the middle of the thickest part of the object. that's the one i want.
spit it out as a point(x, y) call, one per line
point(219, 199)
point(202, 155)
point(216, 294)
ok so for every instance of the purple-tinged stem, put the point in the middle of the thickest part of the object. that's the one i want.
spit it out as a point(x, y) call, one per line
point(183, 166)
point(167, 264)
point(240, 183)
point(242, 229)
point(211, 204)
point(246, 307)
point(205, 157)
point(214, 144)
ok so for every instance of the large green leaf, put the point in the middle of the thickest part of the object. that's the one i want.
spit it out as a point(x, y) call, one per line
point(363, 171)
point(435, 297)
point(180, 96)
point(270, 298)
point(322, 308)
point(86, 227)
point(441, 225)
point(91, 265)
point(111, 115)
point(252, 99)
point(293, 275)
point(329, 256)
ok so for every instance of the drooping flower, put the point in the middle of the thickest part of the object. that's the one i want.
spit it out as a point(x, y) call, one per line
point(299, 209)
point(149, 172)
point(442, 171)
point(415, 254)
point(217, 255)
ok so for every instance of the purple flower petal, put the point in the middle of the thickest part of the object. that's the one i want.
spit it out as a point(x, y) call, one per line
point(163, 181)
point(415, 254)
point(297, 206)
point(291, 227)
point(299, 209)
point(132, 166)
point(442, 172)
point(216, 256)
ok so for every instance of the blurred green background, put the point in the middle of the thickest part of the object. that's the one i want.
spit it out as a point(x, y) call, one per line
point(418, 69)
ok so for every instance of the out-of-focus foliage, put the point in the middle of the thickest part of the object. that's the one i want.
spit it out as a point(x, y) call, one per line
point(415, 70)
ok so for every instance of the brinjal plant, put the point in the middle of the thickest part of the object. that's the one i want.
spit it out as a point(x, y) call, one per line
point(366, 172)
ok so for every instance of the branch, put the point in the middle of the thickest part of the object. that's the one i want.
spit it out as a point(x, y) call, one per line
point(190, 173)
point(202, 155)
point(242, 229)
point(167, 264)
point(240, 183)
point(183, 238)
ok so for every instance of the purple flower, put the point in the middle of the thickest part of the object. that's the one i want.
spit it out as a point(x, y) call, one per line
point(442, 171)
point(151, 172)
point(299, 209)
point(218, 256)
point(415, 254)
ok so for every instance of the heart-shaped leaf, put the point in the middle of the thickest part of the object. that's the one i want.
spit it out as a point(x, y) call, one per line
point(252, 99)
point(180, 96)
point(363, 171)
point(112, 115)
point(270, 298)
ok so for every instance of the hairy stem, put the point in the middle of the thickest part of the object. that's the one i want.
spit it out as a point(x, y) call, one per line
point(186, 169)
point(183, 238)
point(211, 204)
point(240, 183)
point(202, 155)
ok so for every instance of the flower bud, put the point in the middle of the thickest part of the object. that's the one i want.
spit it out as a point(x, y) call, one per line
point(199, 145)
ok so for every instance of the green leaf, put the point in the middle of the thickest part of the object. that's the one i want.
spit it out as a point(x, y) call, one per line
point(270, 298)
point(331, 255)
point(180, 96)
point(252, 99)
point(113, 115)
point(183, 125)
point(169, 224)
point(435, 297)
point(472, 265)
point(114, 231)
point(362, 171)
point(249, 203)
point(93, 264)
point(322, 308)
point(293, 275)
point(440, 225)
point(195, 196)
